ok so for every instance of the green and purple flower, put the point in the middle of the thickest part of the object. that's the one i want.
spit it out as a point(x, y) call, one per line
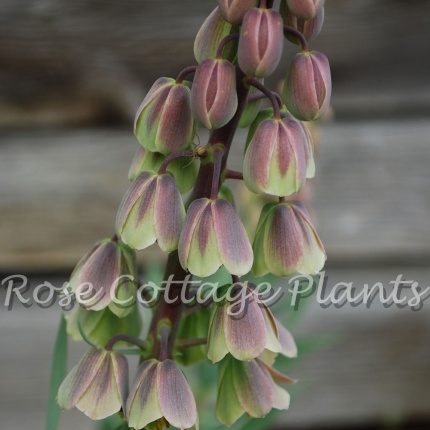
point(160, 395)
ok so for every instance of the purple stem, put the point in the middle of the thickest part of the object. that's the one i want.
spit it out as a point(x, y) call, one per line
point(293, 31)
point(224, 42)
point(184, 73)
point(273, 99)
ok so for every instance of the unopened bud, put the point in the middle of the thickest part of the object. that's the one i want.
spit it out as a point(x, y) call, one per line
point(213, 95)
point(305, 9)
point(261, 42)
point(307, 89)
point(233, 11)
point(164, 122)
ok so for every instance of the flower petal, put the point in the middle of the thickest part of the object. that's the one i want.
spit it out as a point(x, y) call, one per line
point(80, 377)
point(289, 347)
point(176, 399)
point(143, 406)
point(234, 248)
point(217, 348)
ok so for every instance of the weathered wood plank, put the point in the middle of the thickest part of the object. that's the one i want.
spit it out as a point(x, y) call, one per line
point(85, 61)
point(61, 189)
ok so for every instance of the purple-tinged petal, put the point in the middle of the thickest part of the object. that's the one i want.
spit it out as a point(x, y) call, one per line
point(234, 247)
point(233, 11)
point(80, 377)
point(169, 213)
point(289, 347)
point(245, 333)
point(275, 375)
point(176, 398)
point(102, 397)
point(143, 406)
point(305, 9)
point(120, 368)
point(272, 336)
point(253, 388)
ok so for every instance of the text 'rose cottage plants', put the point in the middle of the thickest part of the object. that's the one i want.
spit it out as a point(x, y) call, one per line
point(238, 46)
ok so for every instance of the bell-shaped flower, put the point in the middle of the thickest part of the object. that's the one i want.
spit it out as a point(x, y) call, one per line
point(233, 11)
point(160, 395)
point(310, 28)
point(213, 235)
point(305, 9)
point(106, 276)
point(213, 95)
point(210, 35)
point(261, 42)
point(279, 157)
point(183, 169)
point(151, 210)
point(242, 326)
point(286, 242)
point(249, 387)
point(164, 122)
point(307, 89)
point(97, 385)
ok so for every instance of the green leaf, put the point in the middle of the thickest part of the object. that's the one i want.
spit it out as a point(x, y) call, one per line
point(58, 373)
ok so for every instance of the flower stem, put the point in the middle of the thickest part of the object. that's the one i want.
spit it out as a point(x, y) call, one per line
point(164, 343)
point(126, 338)
point(184, 73)
point(232, 174)
point(172, 157)
point(294, 32)
point(218, 154)
point(224, 42)
point(185, 343)
point(269, 94)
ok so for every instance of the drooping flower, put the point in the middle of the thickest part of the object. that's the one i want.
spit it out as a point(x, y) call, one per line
point(151, 210)
point(183, 169)
point(279, 157)
point(242, 327)
point(307, 89)
point(210, 35)
point(249, 387)
point(233, 11)
point(286, 242)
point(104, 275)
point(261, 42)
point(310, 28)
point(213, 95)
point(305, 9)
point(164, 122)
point(97, 385)
point(160, 394)
point(213, 235)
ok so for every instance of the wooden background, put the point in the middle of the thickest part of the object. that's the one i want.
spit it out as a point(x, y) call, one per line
point(71, 77)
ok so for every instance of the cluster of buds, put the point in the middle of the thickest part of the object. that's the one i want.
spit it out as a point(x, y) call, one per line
point(238, 46)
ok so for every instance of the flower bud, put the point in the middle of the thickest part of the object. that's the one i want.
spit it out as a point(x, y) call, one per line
point(278, 158)
point(183, 169)
point(251, 110)
point(213, 235)
point(286, 242)
point(305, 9)
point(307, 89)
point(261, 41)
point(105, 274)
point(101, 326)
point(160, 395)
point(249, 386)
point(310, 28)
point(164, 122)
point(151, 210)
point(233, 11)
point(213, 95)
point(242, 327)
point(208, 38)
point(97, 385)
point(261, 116)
